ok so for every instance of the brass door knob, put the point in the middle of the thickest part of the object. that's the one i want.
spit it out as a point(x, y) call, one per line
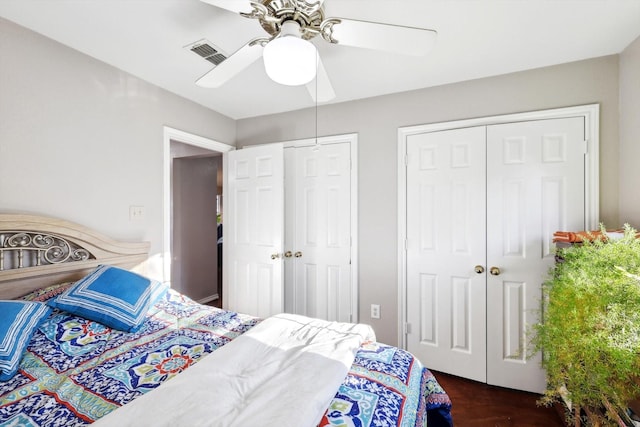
point(297, 254)
point(479, 269)
point(275, 256)
point(288, 254)
point(495, 271)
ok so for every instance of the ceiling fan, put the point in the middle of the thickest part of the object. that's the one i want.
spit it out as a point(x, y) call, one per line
point(288, 55)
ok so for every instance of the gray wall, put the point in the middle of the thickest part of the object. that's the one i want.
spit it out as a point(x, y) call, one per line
point(630, 134)
point(82, 140)
point(376, 121)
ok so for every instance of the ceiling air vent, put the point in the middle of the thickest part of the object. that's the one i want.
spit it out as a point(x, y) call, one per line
point(208, 51)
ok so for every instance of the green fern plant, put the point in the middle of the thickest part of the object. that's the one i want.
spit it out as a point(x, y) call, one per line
point(590, 326)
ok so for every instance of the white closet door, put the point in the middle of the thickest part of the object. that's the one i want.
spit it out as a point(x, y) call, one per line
point(289, 229)
point(254, 229)
point(319, 231)
point(535, 187)
point(446, 298)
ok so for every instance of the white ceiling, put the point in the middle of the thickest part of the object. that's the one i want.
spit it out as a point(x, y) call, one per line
point(476, 38)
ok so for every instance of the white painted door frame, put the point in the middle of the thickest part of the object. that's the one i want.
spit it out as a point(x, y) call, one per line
point(171, 134)
point(590, 113)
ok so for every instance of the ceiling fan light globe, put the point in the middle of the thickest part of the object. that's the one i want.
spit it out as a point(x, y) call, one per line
point(290, 60)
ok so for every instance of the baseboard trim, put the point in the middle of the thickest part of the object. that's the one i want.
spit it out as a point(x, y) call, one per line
point(208, 299)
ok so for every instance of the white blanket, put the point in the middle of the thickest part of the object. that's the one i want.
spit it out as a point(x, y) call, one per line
point(282, 372)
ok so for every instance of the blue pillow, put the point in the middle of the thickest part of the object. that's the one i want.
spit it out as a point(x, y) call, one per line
point(112, 296)
point(18, 321)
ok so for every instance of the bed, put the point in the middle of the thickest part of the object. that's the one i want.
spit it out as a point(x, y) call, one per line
point(78, 371)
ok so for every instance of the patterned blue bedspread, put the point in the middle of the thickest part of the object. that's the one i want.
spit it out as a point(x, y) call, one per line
point(76, 371)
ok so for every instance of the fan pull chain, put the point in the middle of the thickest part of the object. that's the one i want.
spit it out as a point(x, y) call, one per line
point(317, 146)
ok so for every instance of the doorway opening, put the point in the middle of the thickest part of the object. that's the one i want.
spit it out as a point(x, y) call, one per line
point(192, 205)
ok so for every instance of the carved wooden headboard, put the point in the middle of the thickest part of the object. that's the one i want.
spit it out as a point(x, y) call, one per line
point(37, 251)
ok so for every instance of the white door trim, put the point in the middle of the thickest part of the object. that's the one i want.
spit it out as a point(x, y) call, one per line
point(591, 114)
point(352, 139)
point(170, 134)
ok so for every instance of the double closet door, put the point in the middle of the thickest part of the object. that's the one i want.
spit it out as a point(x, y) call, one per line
point(482, 206)
point(288, 229)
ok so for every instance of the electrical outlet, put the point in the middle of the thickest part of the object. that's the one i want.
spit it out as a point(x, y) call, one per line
point(136, 213)
point(375, 311)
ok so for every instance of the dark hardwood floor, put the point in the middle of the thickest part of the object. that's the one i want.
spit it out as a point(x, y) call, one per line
point(215, 303)
point(480, 405)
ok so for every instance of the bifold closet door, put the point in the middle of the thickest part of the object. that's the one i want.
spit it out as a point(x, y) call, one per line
point(446, 238)
point(318, 231)
point(535, 186)
point(479, 241)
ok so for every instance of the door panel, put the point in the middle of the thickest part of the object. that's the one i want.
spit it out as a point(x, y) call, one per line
point(535, 187)
point(254, 228)
point(319, 205)
point(290, 291)
point(428, 292)
point(446, 239)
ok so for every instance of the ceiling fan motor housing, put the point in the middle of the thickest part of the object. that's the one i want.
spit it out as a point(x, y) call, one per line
point(273, 13)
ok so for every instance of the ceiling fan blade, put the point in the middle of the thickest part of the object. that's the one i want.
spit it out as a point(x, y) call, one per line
point(237, 6)
point(320, 88)
point(238, 61)
point(373, 35)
